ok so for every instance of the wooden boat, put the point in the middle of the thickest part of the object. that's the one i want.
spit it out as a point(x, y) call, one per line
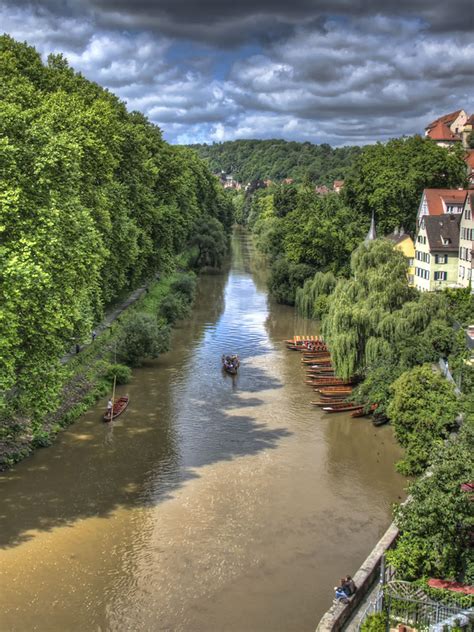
point(303, 339)
point(380, 420)
point(230, 363)
point(334, 403)
point(119, 406)
point(328, 381)
point(343, 408)
point(328, 390)
point(362, 413)
point(333, 397)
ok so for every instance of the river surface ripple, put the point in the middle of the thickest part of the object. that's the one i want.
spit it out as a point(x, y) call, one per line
point(214, 503)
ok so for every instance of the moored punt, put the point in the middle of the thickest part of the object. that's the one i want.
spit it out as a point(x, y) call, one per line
point(118, 407)
point(328, 381)
point(327, 390)
point(310, 361)
point(380, 420)
point(342, 409)
point(334, 403)
point(334, 397)
point(304, 339)
point(362, 412)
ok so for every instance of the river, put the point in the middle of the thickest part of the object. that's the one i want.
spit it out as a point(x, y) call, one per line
point(213, 503)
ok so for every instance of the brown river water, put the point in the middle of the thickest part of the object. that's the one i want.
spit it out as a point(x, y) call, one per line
point(213, 503)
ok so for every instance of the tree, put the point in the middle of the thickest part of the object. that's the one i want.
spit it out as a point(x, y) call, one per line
point(211, 243)
point(436, 524)
point(388, 179)
point(141, 336)
point(423, 408)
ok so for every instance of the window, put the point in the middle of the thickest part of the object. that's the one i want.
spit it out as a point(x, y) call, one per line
point(441, 258)
point(468, 213)
point(410, 262)
point(461, 272)
point(440, 276)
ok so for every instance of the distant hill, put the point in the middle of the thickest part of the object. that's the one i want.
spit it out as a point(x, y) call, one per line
point(277, 159)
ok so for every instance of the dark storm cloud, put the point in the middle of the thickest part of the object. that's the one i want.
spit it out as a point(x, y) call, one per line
point(334, 71)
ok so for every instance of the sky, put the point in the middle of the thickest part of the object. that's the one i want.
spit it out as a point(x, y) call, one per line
point(342, 72)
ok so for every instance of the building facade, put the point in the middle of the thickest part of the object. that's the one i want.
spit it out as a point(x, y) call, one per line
point(403, 242)
point(466, 243)
point(436, 252)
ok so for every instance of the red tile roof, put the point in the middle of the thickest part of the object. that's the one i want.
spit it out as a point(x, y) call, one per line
point(441, 131)
point(447, 119)
point(470, 120)
point(435, 198)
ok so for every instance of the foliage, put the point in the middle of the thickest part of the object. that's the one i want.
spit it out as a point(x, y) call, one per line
point(92, 203)
point(174, 308)
point(121, 372)
point(211, 243)
point(141, 336)
point(423, 408)
point(376, 622)
point(376, 388)
point(185, 285)
point(461, 304)
point(436, 524)
point(312, 300)
point(285, 278)
point(249, 160)
point(388, 179)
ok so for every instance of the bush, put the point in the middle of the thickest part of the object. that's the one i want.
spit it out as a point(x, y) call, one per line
point(141, 336)
point(122, 372)
point(173, 308)
point(375, 623)
point(185, 285)
point(286, 278)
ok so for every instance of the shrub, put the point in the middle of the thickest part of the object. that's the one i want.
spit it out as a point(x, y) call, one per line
point(375, 623)
point(173, 308)
point(121, 371)
point(141, 336)
point(185, 285)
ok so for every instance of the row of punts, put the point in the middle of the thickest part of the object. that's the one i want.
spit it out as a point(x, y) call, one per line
point(319, 374)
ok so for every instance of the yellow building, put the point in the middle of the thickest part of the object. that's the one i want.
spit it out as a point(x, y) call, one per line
point(403, 242)
point(436, 253)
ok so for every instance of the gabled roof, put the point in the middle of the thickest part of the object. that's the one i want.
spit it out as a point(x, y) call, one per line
point(443, 232)
point(440, 131)
point(435, 198)
point(470, 120)
point(396, 238)
point(447, 119)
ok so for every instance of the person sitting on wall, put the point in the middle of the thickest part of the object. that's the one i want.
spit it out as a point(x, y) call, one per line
point(341, 594)
point(349, 586)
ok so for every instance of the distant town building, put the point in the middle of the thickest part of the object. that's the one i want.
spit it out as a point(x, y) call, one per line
point(436, 252)
point(337, 185)
point(466, 242)
point(451, 129)
point(228, 181)
point(469, 160)
point(440, 202)
point(403, 242)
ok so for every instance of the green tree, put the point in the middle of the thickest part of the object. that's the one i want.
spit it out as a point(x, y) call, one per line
point(141, 336)
point(423, 409)
point(436, 524)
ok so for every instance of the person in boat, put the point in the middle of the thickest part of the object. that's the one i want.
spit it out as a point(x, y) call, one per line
point(110, 406)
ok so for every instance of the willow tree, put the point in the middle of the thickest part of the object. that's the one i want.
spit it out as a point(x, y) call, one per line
point(312, 298)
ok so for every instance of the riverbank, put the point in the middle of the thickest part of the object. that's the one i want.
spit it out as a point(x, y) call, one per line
point(86, 374)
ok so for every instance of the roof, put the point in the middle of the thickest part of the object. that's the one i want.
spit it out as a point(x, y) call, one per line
point(447, 119)
point(436, 197)
point(470, 120)
point(443, 232)
point(440, 131)
point(397, 238)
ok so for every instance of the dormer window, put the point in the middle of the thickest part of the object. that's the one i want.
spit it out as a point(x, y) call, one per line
point(444, 240)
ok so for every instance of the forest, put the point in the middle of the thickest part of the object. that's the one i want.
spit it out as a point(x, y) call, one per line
point(93, 204)
point(277, 159)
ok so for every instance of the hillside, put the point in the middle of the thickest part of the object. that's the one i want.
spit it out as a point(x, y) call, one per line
point(277, 159)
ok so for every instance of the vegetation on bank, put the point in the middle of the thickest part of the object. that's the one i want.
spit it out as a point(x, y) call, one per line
point(93, 204)
point(303, 233)
point(385, 334)
point(277, 159)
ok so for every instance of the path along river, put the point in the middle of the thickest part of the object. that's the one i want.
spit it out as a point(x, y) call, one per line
point(213, 503)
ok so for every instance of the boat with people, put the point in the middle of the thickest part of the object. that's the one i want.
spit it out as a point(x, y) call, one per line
point(117, 408)
point(230, 363)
